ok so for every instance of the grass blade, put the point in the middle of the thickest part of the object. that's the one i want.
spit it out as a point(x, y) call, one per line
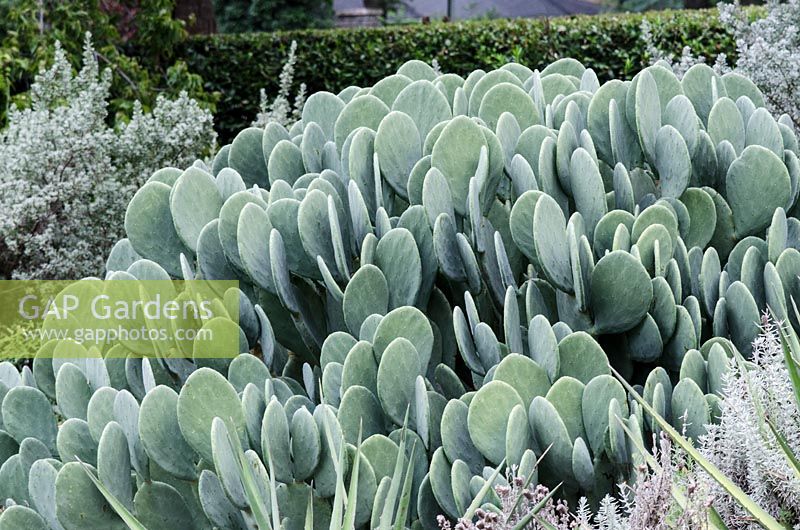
point(714, 520)
point(787, 451)
point(339, 499)
point(522, 523)
point(529, 478)
point(648, 457)
point(120, 509)
point(405, 495)
point(309, 525)
point(251, 489)
point(544, 524)
point(349, 522)
point(329, 436)
point(476, 503)
point(391, 496)
point(273, 493)
point(792, 368)
point(759, 514)
point(791, 347)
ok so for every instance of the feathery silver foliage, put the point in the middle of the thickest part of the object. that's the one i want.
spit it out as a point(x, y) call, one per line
point(66, 176)
point(746, 450)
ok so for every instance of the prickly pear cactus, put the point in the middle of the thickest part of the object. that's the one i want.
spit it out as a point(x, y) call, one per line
point(437, 274)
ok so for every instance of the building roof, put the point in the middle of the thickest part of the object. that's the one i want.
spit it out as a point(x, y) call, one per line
point(476, 8)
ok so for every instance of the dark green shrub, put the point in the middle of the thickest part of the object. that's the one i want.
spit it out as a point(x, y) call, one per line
point(240, 65)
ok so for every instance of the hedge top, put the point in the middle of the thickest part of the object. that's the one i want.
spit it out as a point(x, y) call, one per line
point(240, 65)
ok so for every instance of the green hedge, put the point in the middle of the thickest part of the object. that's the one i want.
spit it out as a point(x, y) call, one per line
point(239, 65)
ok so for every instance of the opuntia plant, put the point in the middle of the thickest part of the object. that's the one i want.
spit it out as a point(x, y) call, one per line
point(436, 276)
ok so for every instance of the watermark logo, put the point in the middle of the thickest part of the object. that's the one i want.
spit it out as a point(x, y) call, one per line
point(119, 318)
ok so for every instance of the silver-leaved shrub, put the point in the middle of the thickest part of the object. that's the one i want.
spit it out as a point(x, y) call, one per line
point(66, 175)
point(746, 449)
point(280, 110)
point(768, 52)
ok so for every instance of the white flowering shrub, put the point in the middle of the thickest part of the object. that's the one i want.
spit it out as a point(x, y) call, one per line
point(280, 109)
point(745, 449)
point(66, 175)
point(768, 50)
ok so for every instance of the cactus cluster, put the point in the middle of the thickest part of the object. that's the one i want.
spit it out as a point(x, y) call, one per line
point(437, 275)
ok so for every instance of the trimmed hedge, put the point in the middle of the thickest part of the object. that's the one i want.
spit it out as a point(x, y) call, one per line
point(239, 65)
